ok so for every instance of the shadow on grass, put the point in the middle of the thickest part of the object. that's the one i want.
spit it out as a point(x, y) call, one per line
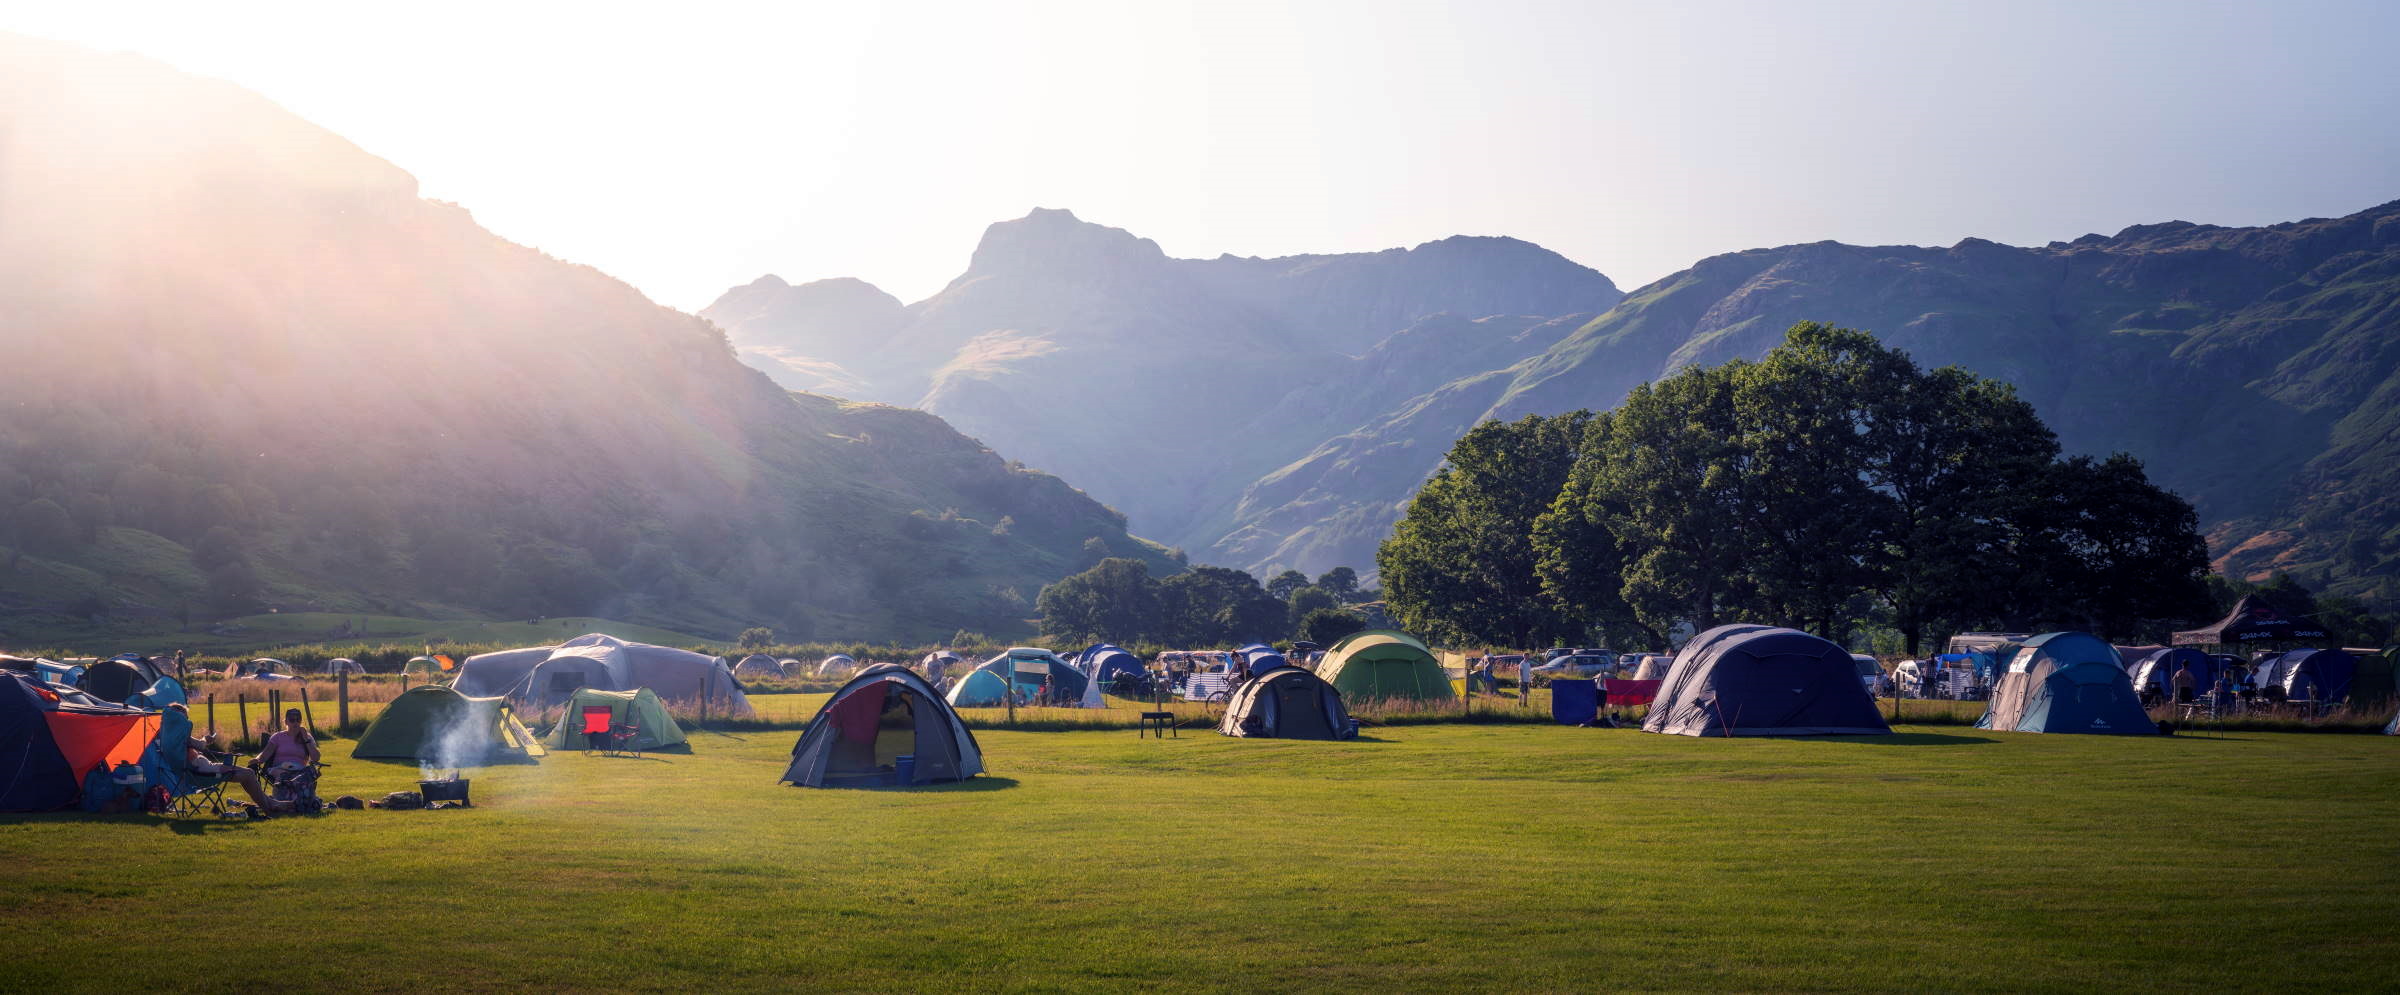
point(1915, 739)
point(980, 782)
point(193, 826)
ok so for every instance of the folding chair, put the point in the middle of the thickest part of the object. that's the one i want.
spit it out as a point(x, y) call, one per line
point(602, 732)
point(597, 721)
point(192, 794)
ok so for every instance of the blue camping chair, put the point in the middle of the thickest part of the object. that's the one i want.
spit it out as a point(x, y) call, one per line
point(190, 793)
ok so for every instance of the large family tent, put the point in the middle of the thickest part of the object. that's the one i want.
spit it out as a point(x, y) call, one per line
point(1384, 663)
point(1040, 677)
point(885, 713)
point(655, 731)
point(2157, 669)
point(1287, 703)
point(1749, 680)
point(434, 724)
point(2066, 682)
point(542, 676)
point(758, 667)
point(48, 745)
point(2251, 621)
point(2310, 675)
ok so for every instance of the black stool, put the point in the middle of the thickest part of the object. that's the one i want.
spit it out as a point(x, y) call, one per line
point(1161, 722)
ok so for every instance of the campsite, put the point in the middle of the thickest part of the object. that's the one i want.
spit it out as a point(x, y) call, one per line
point(1327, 496)
point(1419, 857)
point(618, 831)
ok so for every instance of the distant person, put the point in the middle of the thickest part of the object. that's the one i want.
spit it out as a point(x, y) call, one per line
point(2184, 683)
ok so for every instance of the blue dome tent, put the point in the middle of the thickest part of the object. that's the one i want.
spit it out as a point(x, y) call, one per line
point(2066, 682)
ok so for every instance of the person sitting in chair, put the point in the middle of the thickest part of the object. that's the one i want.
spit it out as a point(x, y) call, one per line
point(291, 747)
point(195, 757)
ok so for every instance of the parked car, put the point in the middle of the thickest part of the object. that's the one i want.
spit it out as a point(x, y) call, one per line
point(1582, 663)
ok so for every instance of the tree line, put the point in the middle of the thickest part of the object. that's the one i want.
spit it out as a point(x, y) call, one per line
point(1831, 485)
point(1118, 601)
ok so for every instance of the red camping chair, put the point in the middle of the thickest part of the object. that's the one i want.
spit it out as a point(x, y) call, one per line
point(600, 731)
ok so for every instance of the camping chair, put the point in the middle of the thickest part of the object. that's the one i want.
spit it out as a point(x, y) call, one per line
point(601, 732)
point(191, 793)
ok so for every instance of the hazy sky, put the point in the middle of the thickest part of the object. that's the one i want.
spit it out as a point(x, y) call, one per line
point(694, 146)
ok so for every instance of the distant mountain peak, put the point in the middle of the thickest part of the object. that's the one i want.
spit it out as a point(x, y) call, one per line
point(1053, 238)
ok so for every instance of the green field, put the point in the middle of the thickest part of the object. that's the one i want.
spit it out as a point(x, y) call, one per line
point(1425, 858)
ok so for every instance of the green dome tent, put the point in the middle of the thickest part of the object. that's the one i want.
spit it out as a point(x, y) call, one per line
point(655, 731)
point(1382, 663)
point(436, 725)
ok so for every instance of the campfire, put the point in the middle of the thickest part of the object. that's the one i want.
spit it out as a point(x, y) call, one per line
point(440, 788)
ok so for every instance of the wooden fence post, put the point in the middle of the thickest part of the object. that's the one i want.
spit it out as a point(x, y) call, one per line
point(341, 708)
point(307, 714)
point(242, 704)
point(212, 716)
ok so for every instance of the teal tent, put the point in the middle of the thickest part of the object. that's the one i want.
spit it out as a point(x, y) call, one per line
point(2066, 682)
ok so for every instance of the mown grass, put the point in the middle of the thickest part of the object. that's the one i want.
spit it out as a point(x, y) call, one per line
point(1422, 858)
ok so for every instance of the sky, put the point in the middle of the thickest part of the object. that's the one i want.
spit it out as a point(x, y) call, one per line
point(687, 148)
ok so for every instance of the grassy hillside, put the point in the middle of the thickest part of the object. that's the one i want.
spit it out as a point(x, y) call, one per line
point(1429, 858)
point(252, 369)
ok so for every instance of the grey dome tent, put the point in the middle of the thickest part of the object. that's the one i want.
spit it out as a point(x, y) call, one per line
point(792, 668)
point(1287, 703)
point(758, 667)
point(836, 665)
point(885, 713)
point(1749, 680)
point(344, 665)
point(2066, 682)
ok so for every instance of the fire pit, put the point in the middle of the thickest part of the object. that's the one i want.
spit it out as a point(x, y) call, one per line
point(446, 788)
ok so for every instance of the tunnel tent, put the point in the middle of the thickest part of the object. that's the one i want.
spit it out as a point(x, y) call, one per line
point(2157, 668)
point(1287, 703)
point(1039, 675)
point(2252, 620)
point(435, 724)
point(2309, 674)
point(2066, 682)
point(1748, 680)
point(758, 667)
point(885, 713)
point(543, 676)
point(655, 731)
point(1384, 663)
